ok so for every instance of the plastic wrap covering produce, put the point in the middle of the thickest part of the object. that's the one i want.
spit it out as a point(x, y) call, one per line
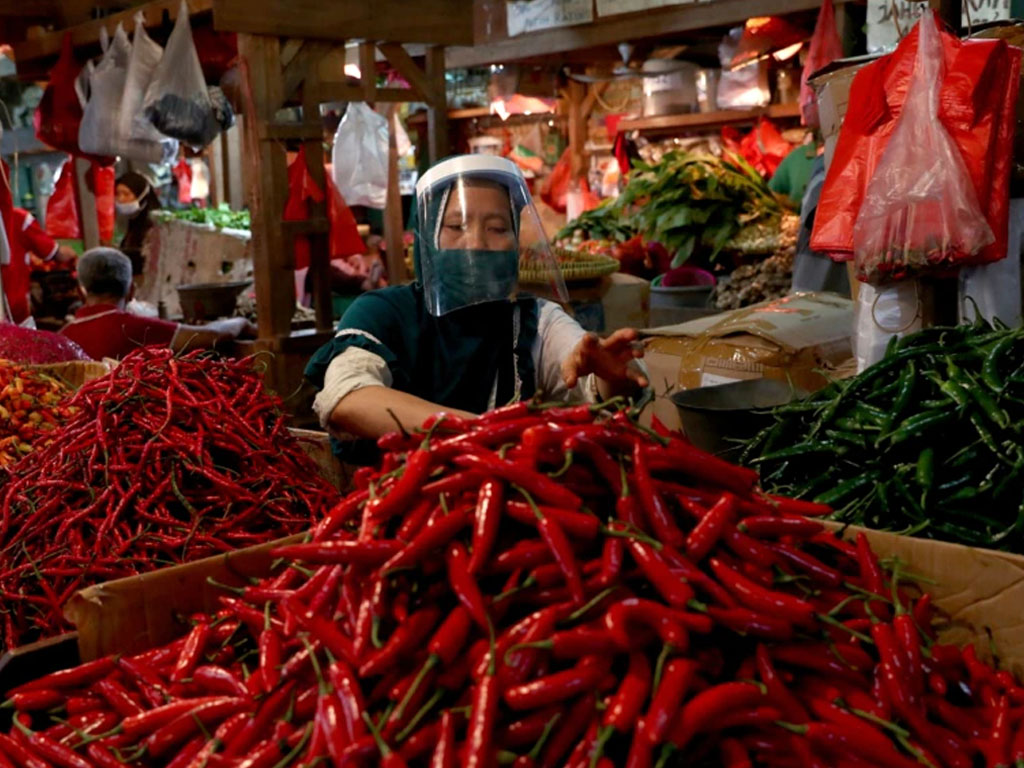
point(166, 460)
point(545, 589)
point(923, 442)
point(31, 409)
point(26, 345)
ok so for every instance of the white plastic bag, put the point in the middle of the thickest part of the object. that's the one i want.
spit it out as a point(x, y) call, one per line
point(139, 139)
point(360, 157)
point(920, 210)
point(98, 131)
point(994, 290)
point(176, 102)
point(883, 312)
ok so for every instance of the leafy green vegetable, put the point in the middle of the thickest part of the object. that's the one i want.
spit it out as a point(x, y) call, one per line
point(605, 222)
point(221, 217)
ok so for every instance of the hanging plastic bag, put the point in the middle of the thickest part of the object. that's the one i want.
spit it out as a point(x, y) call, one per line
point(62, 208)
point(100, 181)
point(301, 190)
point(976, 108)
point(763, 147)
point(993, 291)
point(920, 210)
point(98, 132)
point(176, 102)
point(138, 139)
point(360, 156)
point(883, 312)
point(825, 48)
point(345, 239)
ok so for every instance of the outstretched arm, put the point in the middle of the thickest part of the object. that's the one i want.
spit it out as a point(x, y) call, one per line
point(367, 412)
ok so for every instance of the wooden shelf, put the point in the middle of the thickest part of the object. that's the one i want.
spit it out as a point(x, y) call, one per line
point(483, 113)
point(695, 121)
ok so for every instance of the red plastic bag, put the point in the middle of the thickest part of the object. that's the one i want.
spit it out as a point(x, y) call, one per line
point(976, 105)
point(301, 189)
point(556, 188)
point(183, 173)
point(764, 148)
point(825, 48)
point(920, 209)
point(345, 239)
point(62, 208)
point(101, 183)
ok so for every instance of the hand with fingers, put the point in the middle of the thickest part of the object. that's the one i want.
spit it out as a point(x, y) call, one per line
point(610, 359)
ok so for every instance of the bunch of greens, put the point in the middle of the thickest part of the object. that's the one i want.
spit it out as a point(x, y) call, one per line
point(690, 201)
point(221, 217)
point(605, 222)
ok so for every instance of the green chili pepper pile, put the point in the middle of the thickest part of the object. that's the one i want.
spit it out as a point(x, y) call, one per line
point(926, 442)
point(542, 588)
point(167, 460)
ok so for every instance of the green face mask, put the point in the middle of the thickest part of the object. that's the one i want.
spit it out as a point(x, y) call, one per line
point(462, 278)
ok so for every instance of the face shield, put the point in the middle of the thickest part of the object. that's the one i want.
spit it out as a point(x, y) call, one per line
point(476, 221)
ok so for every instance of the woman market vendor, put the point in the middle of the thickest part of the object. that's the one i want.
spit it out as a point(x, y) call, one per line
point(462, 339)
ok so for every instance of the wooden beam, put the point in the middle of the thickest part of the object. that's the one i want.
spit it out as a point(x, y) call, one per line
point(34, 9)
point(338, 91)
point(290, 49)
point(590, 100)
point(49, 43)
point(438, 22)
point(410, 70)
point(266, 184)
point(494, 46)
point(438, 136)
point(87, 218)
point(368, 70)
point(282, 131)
point(393, 225)
point(305, 62)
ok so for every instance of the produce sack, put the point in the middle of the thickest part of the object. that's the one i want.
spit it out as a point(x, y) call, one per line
point(825, 48)
point(920, 210)
point(138, 139)
point(360, 156)
point(62, 208)
point(26, 345)
point(177, 102)
point(101, 120)
point(976, 102)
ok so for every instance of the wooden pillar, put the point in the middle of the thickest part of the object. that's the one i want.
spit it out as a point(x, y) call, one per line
point(266, 187)
point(234, 169)
point(438, 140)
point(215, 161)
point(319, 247)
point(949, 11)
point(393, 225)
point(575, 95)
point(86, 205)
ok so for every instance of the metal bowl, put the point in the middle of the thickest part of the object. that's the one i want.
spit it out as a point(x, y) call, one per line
point(209, 301)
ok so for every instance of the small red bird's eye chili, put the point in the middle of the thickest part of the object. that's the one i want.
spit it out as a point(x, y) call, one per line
point(483, 713)
point(438, 532)
point(464, 585)
point(32, 701)
point(629, 699)
point(768, 526)
point(676, 679)
point(191, 652)
point(79, 676)
point(705, 535)
point(559, 686)
point(366, 553)
point(540, 486)
point(707, 707)
point(486, 521)
point(401, 641)
point(673, 588)
point(870, 571)
point(651, 501)
point(757, 598)
point(634, 610)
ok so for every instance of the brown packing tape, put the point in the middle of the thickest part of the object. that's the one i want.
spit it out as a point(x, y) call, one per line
point(141, 612)
point(980, 590)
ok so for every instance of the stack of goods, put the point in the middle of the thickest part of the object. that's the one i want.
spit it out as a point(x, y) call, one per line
point(165, 460)
point(545, 589)
point(31, 409)
point(765, 280)
point(923, 442)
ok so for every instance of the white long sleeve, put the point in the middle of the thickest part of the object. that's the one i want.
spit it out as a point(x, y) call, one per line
point(557, 337)
point(353, 369)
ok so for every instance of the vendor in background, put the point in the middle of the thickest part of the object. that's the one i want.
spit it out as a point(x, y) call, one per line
point(134, 198)
point(461, 339)
point(27, 239)
point(103, 328)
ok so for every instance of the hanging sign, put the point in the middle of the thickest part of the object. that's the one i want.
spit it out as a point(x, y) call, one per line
point(886, 18)
point(612, 7)
point(532, 15)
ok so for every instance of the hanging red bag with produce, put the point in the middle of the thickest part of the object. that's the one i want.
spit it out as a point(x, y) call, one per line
point(62, 208)
point(825, 48)
point(975, 108)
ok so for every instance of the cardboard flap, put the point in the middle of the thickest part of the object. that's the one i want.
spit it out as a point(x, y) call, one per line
point(795, 322)
point(137, 613)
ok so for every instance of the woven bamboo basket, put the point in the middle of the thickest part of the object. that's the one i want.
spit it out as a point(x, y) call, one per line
point(575, 266)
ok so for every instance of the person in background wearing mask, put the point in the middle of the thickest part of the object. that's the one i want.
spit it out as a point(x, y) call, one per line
point(134, 198)
point(103, 328)
point(26, 239)
point(462, 339)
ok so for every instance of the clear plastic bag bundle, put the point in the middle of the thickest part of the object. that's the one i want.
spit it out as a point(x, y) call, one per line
point(139, 140)
point(360, 157)
point(920, 210)
point(177, 102)
point(98, 132)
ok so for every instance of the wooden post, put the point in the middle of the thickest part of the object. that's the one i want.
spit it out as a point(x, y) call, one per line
point(438, 140)
point(319, 247)
point(234, 169)
point(86, 205)
point(393, 226)
point(266, 184)
point(215, 161)
point(575, 96)
point(949, 11)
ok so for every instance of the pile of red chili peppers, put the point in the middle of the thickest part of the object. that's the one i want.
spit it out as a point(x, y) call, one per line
point(165, 460)
point(31, 408)
point(545, 589)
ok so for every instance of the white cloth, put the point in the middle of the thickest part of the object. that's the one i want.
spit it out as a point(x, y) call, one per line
point(557, 336)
